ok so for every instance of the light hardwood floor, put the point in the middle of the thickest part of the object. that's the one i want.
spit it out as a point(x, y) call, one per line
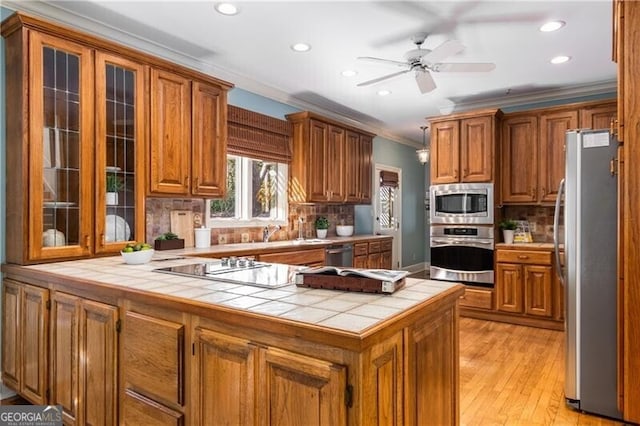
point(514, 375)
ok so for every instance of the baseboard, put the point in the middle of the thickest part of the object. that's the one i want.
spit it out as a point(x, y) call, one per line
point(418, 267)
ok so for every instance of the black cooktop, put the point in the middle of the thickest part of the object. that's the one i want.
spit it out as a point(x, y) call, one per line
point(260, 274)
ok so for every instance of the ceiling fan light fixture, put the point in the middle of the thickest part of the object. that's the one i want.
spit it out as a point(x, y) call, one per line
point(552, 26)
point(384, 92)
point(423, 154)
point(561, 59)
point(301, 47)
point(349, 73)
point(228, 9)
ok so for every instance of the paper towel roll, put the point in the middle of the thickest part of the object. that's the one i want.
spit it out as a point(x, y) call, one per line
point(203, 237)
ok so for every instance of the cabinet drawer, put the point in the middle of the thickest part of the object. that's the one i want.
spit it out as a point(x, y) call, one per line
point(360, 249)
point(386, 245)
point(476, 298)
point(524, 256)
point(300, 257)
point(374, 247)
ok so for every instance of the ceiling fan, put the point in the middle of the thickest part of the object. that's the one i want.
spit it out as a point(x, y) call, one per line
point(422, 61)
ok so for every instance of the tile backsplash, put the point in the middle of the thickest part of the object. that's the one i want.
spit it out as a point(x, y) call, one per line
point(158, 220)
point(540, 219)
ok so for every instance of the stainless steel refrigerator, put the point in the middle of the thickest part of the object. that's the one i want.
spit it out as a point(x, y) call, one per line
point(589, 275)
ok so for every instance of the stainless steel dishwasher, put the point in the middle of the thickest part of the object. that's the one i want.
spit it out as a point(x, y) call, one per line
point(339, 255)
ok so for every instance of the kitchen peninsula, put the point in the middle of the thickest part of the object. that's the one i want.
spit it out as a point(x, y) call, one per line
point(128, 345)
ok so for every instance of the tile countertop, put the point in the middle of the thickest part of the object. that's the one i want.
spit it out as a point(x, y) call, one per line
point(345, 311)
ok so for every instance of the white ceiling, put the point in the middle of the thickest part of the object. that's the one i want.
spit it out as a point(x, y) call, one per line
point(252, 50)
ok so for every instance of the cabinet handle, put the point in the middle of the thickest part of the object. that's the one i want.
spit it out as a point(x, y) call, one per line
point(544, 191)
point(102, 240)
point(466, 172)
point(522, 256)
point(533, 192)
point(614, 126)
point(455, 173)
point(87, 241)
point(186, 181)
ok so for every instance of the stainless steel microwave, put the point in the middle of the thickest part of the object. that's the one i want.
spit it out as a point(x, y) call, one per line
point(462, 203)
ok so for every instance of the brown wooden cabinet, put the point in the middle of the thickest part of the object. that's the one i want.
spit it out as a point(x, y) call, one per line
point(358, 153)
point(313, 257)
point(153, 375)
point(82, 135)
point(187, 136)
point(25, 325)
point(463, 147)
point(532, 148)
point(83, 359)
point(331, 161)
point(374, 254)
point(524, 282)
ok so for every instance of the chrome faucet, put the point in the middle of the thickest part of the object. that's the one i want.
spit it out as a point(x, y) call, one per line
point(266, 234)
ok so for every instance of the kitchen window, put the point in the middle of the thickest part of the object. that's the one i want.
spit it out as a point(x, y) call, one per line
point(256, 195)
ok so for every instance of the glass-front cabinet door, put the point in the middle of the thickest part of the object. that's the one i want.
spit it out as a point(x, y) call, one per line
point(119, 171)
point(61, 148)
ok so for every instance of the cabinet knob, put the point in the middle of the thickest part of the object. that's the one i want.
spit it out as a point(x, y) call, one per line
point(544, 191)
point(102, 240)
point(455, 173)
point(87, 241)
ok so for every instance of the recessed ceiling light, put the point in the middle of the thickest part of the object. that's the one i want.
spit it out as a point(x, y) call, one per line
point(552, 26)
point(384, 92)
point(560, 59)
point(228, 9)
point(300, 47)
point(349, 73)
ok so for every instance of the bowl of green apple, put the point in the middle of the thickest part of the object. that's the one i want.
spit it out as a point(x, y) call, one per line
point(137, 253)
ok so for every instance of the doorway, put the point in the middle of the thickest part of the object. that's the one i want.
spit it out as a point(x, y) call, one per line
point(388, 207)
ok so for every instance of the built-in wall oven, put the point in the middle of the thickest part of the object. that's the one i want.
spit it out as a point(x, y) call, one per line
point(461, 203)
point(462, 253)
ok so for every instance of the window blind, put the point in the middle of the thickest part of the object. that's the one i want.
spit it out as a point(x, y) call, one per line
point(255, 135)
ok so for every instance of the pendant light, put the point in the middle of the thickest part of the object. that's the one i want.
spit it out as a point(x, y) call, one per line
point(423, 154)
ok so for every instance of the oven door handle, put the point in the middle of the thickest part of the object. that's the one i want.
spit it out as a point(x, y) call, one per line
point(461, 242)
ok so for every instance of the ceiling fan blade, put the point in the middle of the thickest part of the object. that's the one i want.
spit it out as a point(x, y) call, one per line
point(382, 61)
point(425, 81)
point(376, 80)
point(463, 67)
point(446, 49)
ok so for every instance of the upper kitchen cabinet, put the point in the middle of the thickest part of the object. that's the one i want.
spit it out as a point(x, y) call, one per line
point(188, 136)
point(331, 161)
point(75, 131)
point(463, 147)
point(532, 150)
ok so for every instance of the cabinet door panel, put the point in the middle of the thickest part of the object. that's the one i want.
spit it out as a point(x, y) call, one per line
point(35, 320)
point(445, 152)
point(138, 410)
point(509, 288)
point(302, 390)
point(120, 148)
point(317, 152)
point(598, 117)
point(431, 354)
point(383, 366)
point(226, 368)
point(353, 160)
point(153, 357)
point(208, 164)
point(335, 163)
point(476, 149)
point(61, 134)
point(553, 128)
point(11, 341)
point(98, 363)
point(537, 284)
point(64, 355)
point(519, 158)
point(170, 133)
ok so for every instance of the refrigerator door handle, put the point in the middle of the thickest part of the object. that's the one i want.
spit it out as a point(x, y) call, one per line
point(556, 224)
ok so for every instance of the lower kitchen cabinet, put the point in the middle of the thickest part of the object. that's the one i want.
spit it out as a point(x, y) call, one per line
point(153, 351)
point(314, 257)
point(237, 378)
point(526, 291)
point(25, 325)
point(373, 255)
point(83, 359)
